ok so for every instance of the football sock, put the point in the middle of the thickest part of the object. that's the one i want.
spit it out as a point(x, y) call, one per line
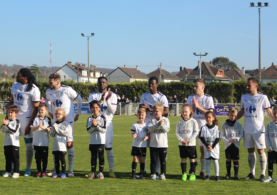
point(236, 167)
point(203, 164)
point(142, 167)
point(110, 157)
point(134, 166)
point(144, 163)
point(270, 169)
point(158, 165)
point(208, 167)
point(63, 163)
point(71, 155)
point(184, 167)
point(263, 162)
point(252, 162)
point(29, 155)
point(192, 167)
point(228, 167)
point(216, 167)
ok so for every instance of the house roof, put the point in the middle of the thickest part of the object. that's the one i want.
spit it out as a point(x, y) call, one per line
point(208, 70)
point(255, 72)
point(167, 75)
point(269, 73)
point(132, 72)
point(70, 68)
point(106, 70)
point(236, 74)
point(183, 72)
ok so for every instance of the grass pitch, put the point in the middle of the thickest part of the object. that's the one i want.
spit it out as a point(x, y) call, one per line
point(123, 160)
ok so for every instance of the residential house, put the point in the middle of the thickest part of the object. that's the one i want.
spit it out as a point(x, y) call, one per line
point(269, 74)
point(129, 75)
point(164, 76)
point(209, 73)
point(79, 73)
point(183, 72)
point(236, 74)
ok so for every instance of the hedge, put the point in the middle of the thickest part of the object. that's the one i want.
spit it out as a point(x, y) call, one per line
point(224, 92)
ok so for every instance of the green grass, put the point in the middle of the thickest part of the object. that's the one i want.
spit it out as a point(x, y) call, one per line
point(122, 184)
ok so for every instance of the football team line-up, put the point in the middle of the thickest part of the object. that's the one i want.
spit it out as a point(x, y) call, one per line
point(26, 116)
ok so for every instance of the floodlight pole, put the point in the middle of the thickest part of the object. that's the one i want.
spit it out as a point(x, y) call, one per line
point(83, 35)
point(260, 56)
point(200, 61)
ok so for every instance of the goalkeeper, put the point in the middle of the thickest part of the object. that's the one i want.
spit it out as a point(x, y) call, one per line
point(96, 127)
point(60, 129)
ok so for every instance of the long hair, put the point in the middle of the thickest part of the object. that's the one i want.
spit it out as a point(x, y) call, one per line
point(213, 114)
point(25, 72)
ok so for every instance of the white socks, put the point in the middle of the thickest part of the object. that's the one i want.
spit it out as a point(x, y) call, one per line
point(208, 167)
point(110, 157)
point(203, 165)
point(158, 165)
point(216, 167)
point(71, 155)
point(29, 155)
point(263, 161)
point(252, 162)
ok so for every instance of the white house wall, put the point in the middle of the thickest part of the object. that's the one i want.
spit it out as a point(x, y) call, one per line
point(67, 74)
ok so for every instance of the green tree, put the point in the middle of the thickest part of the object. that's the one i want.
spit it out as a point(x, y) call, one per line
point(36, 70)
point(14, 75)
point(224, 63)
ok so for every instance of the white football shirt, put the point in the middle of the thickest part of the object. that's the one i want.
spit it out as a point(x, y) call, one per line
point(205, 102)
point(97, 133)
point(141, 131)
point(24, 99)
point(104, 108)
point(254, 112)
point(62, 98)
point(187, 130)
point(59, 132)
point(41, 137)
point(152, 99)
point(11, 133)
point(210, 135)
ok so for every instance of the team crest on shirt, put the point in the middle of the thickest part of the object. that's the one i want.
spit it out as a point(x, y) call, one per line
point(99, 122)
point(186, 131)
point(62, 127)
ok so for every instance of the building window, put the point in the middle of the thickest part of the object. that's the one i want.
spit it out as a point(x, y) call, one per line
point(64, 76)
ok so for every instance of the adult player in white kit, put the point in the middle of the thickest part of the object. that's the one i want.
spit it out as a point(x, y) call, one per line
point(253, 105)
point(62, 96)
point(148, 100)
point(108, 102)
point(26, 96)
point(201, 103)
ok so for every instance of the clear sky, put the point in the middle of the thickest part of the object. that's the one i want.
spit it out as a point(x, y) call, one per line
point(130, 32)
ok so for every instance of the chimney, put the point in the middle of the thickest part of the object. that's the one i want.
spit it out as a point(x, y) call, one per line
point(180, 68)
point(137, 67)
point(264, 68)
point(211, 62)
point(124, 65)
point(243, 70)
point(84, 65)
point(272, 63)
point(69, 63)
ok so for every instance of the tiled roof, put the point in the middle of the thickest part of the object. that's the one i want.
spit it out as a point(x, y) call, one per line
point(132, 73)
point(167, 75)
point(269, 73)
point(236, 74)
point(184, 72)
point(208, 70)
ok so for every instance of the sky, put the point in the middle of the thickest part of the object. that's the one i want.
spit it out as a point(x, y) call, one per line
point(144, 33)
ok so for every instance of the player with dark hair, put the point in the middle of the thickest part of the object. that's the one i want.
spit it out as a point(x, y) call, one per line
point(148, 100)
point(108, 102)
point(62, 96)
point(201, 104)
point(26, 96)
point(253, 105)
